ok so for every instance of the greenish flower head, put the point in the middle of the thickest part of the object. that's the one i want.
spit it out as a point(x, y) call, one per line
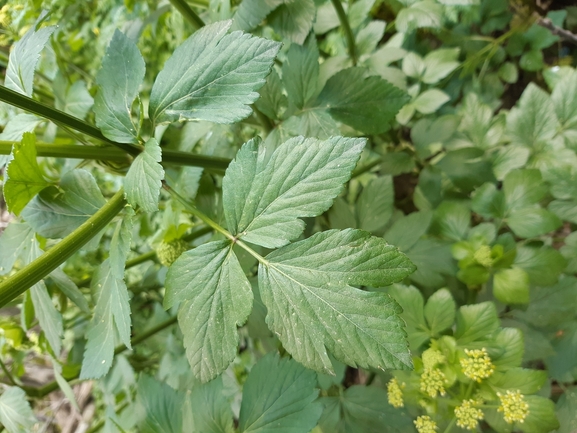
point(395, 393)
point(513, 406)
point(477, 365)
point(483, 256)
point(425, 424)
point(168, 252)
point(433, 382)
point(468, 415)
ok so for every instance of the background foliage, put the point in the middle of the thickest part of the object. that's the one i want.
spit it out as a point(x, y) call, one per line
point(391, 249)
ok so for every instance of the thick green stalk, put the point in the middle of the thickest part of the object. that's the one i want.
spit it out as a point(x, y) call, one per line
point(38, 269)
point(53, 386)
point(62, 118)
point(188, 13)
point(347, 29)
point(104, 153)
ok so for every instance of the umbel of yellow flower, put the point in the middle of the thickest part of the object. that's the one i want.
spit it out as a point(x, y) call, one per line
point(425, 424)
point(513, 406)
point(477, 365)
point(432, 357)
point(468, 415)
point(433, 382)
point(395, 393)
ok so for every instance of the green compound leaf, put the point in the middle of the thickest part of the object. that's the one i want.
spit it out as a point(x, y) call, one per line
point(476, 322)
point(118, 81)
point(279, 392)
point(55, 214)
point(24, 176)
point(264, 201)
point(24, 58)
point(251, 13)
point(15, 412)
point(48, 316)
point(144, 178)
point(306, 287)
point(162, 404)
point(363, 409)
point(440, 311)
point(300, 73)
point(533, 121)
point(523, 190)
point(120, 244)
point(368, 104)
point(212, 76)
point(215, 297)
point(293, 19)
point(211, 412)
point(111, 315)
point(15, 243)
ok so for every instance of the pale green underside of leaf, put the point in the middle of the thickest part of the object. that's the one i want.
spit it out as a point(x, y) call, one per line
point(215, 298)
point(55, 215)
point(24, 177)
point(120, 244)
point(211, 411)
point(48, 316)
point(367, 104)
point(18, 125)
point(111, 315)
point(144, 178)
point(293, 19)
point(15, 412)
point(15, 241)
point(24, 58)
point(251, 13)
point(263, 202)
point(312, 307)
point(118, 81)
point(162, 404)
point(212, 76)
point(300, 73)
point(279, 392)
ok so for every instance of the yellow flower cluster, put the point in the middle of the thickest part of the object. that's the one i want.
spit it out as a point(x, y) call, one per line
point(513, 406)
point(483, 256)
point(5, 17)
point(395, 393)
point(432, 357)
point(477, 365)
point(468, 415)
point(433, 382)
point(425, 424)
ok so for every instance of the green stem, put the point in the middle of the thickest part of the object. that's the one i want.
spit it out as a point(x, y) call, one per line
point(188, 13)
point(206, 219)
point(62, 118)
point(450, 426)
point(101, 423)
point(104, 153)
point(38, 269)
point(194, 211)
point(367, 167)
point(53, 386)
point(347, 29)
point(7, 373)
point(57, 116)
point(264, 121)
point(151, 255)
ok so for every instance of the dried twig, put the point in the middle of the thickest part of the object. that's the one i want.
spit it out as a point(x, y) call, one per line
point(557, 31)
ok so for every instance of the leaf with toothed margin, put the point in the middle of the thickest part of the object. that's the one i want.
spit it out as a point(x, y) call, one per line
point(212, 76)
point(111, 315)
point(144, 178)
point(215, 297)
point(312, 306)
point(263, 201)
